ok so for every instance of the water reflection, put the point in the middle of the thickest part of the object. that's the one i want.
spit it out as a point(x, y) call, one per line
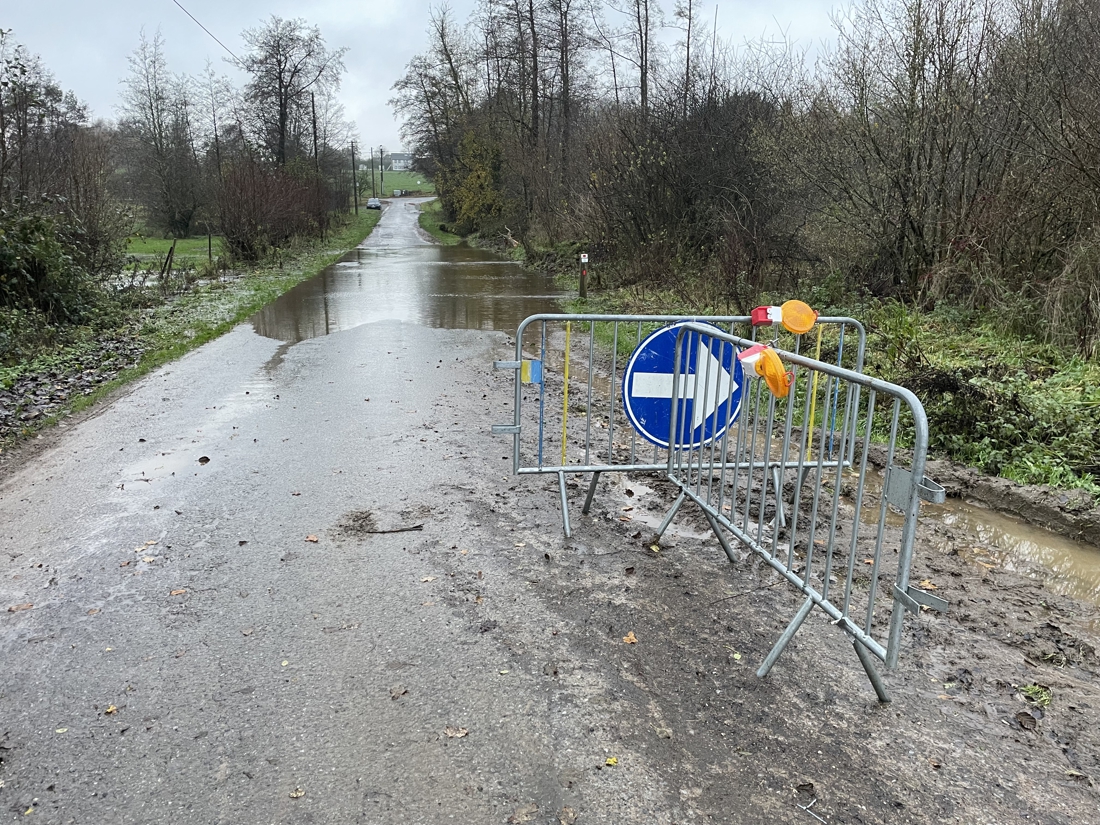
point(453, 287)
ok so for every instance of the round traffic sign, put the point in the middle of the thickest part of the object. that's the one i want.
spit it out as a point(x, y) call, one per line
point(708, 398)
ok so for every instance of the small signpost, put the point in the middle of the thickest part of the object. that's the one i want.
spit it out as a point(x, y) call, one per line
point(584, 275)
point(711, 381)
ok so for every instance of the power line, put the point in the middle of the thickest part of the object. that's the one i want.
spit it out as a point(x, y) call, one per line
point(201, 26)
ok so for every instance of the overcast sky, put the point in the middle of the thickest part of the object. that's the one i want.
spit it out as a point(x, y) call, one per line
point(85, 44)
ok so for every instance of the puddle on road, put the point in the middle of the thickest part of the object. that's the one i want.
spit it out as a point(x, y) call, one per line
point(449, 287)
point(1068, 568)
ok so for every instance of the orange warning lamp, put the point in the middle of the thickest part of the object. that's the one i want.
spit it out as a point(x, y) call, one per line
point(771, 369)
point(765, 361)
point(797, 317)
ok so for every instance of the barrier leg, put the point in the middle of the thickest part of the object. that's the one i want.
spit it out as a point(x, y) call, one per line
point(721, 536)
point(788, 634)
point(872, 673)
point(564, 506)
point(591, 492)
point(671, 514)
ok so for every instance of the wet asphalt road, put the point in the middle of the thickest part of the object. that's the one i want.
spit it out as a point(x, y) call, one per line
point(192, 655)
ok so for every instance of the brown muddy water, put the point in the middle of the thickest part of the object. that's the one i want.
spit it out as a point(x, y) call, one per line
point(1066, 567)
point(448, 287)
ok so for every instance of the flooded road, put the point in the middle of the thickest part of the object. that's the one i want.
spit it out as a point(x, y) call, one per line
point(396, 275)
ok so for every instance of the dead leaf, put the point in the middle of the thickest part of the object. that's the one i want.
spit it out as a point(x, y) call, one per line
point(612, 761)
point(521, 544)
point(179, 592)
point(297, 793)
point(295, 494)
point(656, 548)
point(927, 584)
point(125, 563)
point(630, 571)
point(630, 638)
point(93, 611)
point(455, 733)
point(110, 709)
point(247, 631)
point(428, 579)
point(312, 538)
point(625, 518)
point(567, 816)
point(1026, 721)
point(204, 459)
point(524, 813)
point(397, 691)
point(15, 608)
point(868, 561)
point(148, 559)
point(242, 542)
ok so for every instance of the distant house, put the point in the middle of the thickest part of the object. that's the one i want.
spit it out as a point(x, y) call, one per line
point(399, 162)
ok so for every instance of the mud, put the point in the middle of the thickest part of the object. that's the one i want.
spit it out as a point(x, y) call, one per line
point(960, 741)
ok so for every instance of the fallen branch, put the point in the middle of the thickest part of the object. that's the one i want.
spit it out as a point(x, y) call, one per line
point(398, 529)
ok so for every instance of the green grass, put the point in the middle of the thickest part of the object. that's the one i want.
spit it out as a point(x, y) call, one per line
point(431, 216)
point(415, 182)
point(189, 247)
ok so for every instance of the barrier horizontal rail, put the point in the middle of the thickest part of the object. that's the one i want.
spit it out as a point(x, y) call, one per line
point(840, 545)
point(552, 436)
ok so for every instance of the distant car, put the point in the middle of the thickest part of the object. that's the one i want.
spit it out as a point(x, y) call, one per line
point(374, 203)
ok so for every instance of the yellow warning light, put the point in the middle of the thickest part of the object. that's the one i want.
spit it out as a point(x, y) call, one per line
point(798, 317)
point(770, 368)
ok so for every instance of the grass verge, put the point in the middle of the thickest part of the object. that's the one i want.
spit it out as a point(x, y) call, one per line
point(431, 221)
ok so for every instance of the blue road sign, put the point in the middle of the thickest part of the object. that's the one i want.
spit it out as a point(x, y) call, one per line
point(709, 394)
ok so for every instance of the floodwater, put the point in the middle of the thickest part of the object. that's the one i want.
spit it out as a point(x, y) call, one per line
point(450, 287)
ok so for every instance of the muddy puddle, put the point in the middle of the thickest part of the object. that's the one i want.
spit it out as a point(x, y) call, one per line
point(448, 287)
point(999, 541)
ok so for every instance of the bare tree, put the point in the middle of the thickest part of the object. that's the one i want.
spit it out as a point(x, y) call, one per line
point(288, 61)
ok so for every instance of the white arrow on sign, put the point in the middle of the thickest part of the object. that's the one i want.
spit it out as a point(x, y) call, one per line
point(716, 392)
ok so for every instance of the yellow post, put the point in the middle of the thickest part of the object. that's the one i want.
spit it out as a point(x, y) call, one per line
point(565, 403)
point(813, 401)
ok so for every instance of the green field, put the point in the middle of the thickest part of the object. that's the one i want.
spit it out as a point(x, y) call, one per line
point(141, 245)
point(412, 181)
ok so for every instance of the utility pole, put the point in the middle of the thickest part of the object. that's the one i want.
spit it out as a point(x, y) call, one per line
point(382, 170)
point(373, 194)
point(313, 107)
point(354, 179)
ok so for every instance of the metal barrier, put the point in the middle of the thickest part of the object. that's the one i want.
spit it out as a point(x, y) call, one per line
point(598, 438)
point(841, 545)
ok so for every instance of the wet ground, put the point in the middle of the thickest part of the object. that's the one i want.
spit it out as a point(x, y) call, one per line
point(297, 582)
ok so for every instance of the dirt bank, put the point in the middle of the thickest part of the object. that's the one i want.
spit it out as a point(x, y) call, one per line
point(1071, 513)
